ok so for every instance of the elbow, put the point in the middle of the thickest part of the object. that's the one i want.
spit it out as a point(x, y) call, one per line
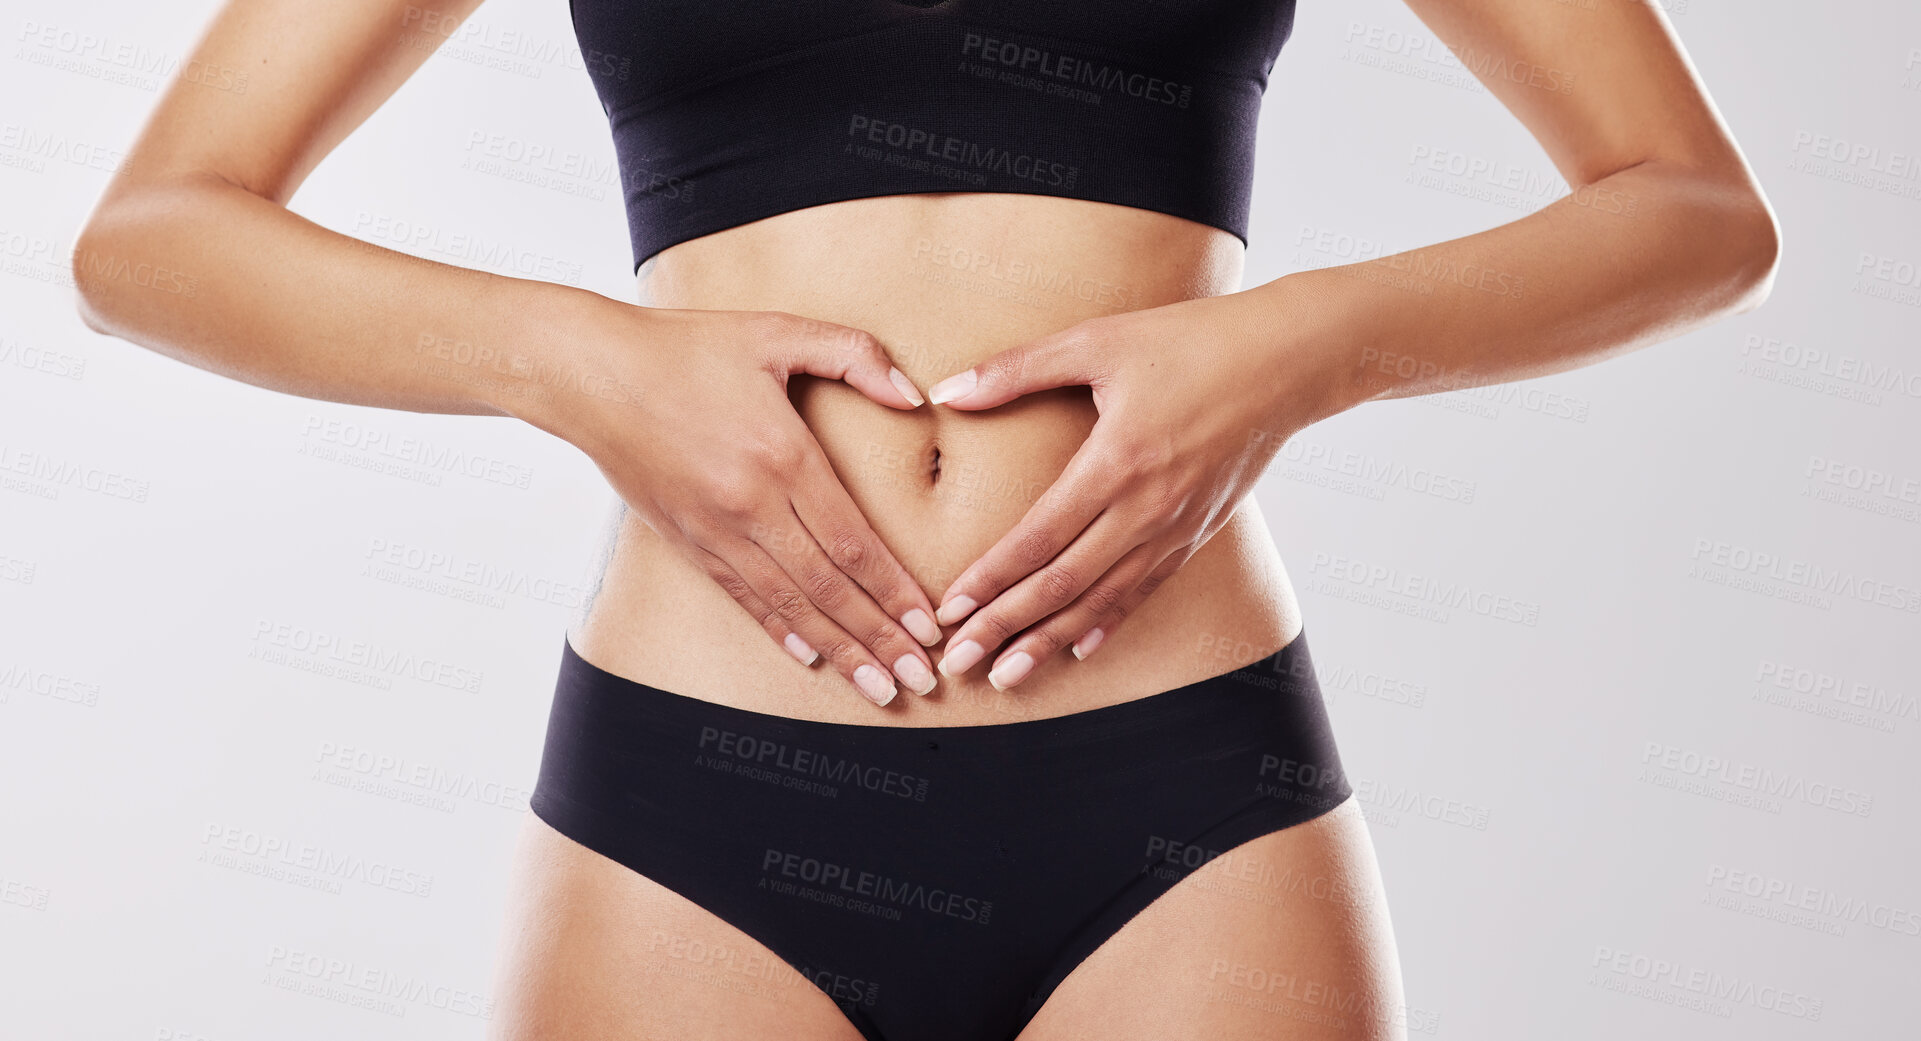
point(93, 293)
point(127, 259)
point(124, 273)
point(1753, 237)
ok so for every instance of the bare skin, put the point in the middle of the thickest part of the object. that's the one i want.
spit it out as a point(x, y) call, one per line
point(1104, 456)
point(939, 485)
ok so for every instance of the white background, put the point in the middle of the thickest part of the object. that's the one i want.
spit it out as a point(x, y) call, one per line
point(1608, 823)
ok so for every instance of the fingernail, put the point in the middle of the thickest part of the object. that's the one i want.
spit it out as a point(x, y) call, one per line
point(874, 684)
point(1012, 669)
point(799, 649)
point(1088, 641)
point(955, 609)
point(906, 387)
point(913, 672)
point(960, 657)
point(921, 626)
point(953, 387)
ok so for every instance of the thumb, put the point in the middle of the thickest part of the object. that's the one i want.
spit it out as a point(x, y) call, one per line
point(1059, 360)
point(855, 356)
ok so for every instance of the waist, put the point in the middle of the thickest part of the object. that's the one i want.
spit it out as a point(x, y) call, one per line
point(943, 282)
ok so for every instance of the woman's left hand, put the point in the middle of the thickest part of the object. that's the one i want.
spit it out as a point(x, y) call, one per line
point(1195, 398)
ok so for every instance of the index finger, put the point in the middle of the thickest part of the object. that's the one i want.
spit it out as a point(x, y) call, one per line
point(1062, 512)
point(823, 505)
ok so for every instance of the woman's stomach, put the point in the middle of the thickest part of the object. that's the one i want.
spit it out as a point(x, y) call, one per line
point(943, 281)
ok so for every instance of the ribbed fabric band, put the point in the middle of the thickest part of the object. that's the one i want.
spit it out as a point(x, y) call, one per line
point(928, 103)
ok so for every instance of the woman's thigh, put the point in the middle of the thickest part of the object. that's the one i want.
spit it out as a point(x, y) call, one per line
point(593, 950)
point(1284, 938)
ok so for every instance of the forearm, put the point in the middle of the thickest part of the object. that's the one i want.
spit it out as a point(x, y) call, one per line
point(213, 275)
point(1641, 255)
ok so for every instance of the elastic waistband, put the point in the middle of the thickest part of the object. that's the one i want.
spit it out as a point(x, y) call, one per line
point(859, 116)
point(1278, 691)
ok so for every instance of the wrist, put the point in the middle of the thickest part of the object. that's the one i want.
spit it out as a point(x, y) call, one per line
point(551, 363)
point(1313, 358)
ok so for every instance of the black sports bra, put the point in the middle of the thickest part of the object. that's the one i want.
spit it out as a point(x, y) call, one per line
point(728, 111)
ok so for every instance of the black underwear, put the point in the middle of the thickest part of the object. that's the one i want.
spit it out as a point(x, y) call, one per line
point(936, 882)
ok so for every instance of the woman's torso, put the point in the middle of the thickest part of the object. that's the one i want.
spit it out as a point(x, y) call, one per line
point(944, 281)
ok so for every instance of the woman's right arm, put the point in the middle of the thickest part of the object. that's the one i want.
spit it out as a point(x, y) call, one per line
point(191, 252)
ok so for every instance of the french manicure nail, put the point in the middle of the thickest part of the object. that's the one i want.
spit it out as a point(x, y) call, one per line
point(874, 684)
point(1012, 669)
point(1088, 641)
point(923, 627)
point(913, 672)
point(953, 387)
point(799, 649)
point(955, 609)
point(906, 387)
point(960, 657)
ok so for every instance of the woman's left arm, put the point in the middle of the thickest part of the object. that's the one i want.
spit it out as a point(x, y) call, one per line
point(1665, 230)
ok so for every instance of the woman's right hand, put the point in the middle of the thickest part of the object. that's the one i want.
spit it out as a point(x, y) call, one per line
point(686, 413)
point(709, 451)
